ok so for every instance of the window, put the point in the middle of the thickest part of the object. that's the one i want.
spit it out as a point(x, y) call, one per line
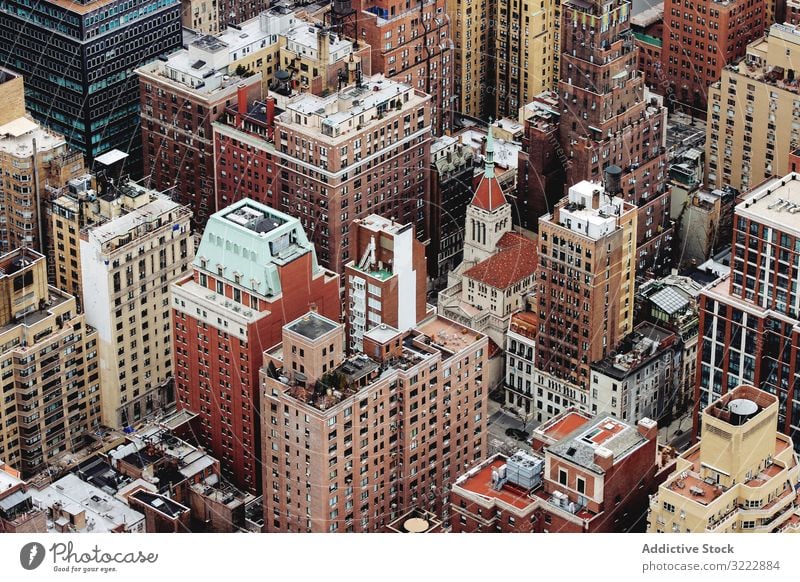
point(562, 476)
point(581, 485)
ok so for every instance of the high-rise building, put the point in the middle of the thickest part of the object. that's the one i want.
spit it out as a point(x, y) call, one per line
point(523, 53)
point(750, 320)
point(31, 158)
point(50, 357)
point(609, 119)
point(214, 16)
point(471, 37)
point(371, 436)
point(700, 40)
point(411, 44)
point(740, 478)
point(367, 150)
point(585, 475)
point(78, 60)
point(386, 282)
point(754, 113)
point(585, 289)
point(254, 270)
point(129, 243)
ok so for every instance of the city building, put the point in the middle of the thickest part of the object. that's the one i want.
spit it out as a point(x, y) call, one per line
point(416, 521)
point(18, 514)
point(31, 157)
point(505, 153)
point(540, 183)
point(372, 436)
point(49, 359)
point(451, 175)
point(706, 225)
point(254, 270)
point(78, 60)
point(642, 379)
point(119, 247)
point(214, 16)
point(609, 118)
point(471, 37)
point(367, 151)
point(585, 291)
point(702, 39)
point(388, 283)
point(411, 44)
point(740, 477)
point(749, 319)
point(672, 303)
point(498, 264)
point(594, 475)
point(183, 94)
point(754, 113)
point(75, 506)
point(523, 53)
point(520, 347)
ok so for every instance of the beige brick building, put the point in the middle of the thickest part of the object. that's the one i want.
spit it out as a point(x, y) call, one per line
point(740, 477)
point(120, 249)
point(49, 367)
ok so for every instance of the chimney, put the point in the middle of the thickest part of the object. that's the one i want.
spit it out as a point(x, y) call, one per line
point(595, 198)
point(241, 99)
point(648, 428)
point(603, 458)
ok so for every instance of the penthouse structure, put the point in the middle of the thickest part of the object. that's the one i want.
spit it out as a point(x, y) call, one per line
point(78, 60)
point(119, 248)
point(362, 150)
point(388, 283)
point(585, 476)
point(585, 289)
point(383, 431)
point(754, 113)
point(48, 354)
point(749, 319)
point(254, 270)
point(740, 477)
point(31, 157)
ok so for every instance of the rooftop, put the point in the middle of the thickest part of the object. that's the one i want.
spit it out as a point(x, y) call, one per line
point(17, 137)
point(104, 512)
point(646, 343)
point(603, 435)
point(514, 261)
point(113, 234)
point(482, 481)
point(449, 335)
point(170, 508)
point(739, 405)
point(774, 203)
point(562, 425)
point(589, 211)
point(312, 325)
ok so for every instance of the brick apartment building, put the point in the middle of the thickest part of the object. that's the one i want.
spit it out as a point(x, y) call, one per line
point(584, 476)
point(253, 271)
point(411, 44)
point(608, 118)
point(701, 38)
point(351, 444)
point(585, 289)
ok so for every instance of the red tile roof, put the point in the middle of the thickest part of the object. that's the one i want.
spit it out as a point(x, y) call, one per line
point(488, 195)
point(514, 261)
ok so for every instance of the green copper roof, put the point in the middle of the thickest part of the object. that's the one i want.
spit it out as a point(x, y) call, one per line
point(249, 241)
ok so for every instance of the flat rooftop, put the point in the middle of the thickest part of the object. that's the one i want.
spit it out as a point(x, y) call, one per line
point(481, 484)
point(775, 203)
point(172, 509)
point(448, 334)
point(377, 223)
point(256, 219)
point(312, 326)
point(104, 512)
point(607, 433)
point(17, 137)
point(126, 223)
point(563, 425)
